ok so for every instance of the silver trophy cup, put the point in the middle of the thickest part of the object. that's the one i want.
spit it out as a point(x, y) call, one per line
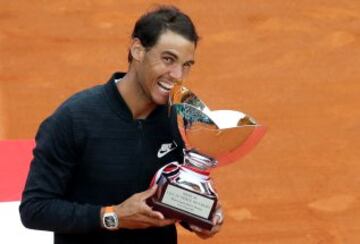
point(209, 139)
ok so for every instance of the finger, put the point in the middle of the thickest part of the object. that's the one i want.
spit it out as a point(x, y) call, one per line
point(147, 210)
point(166, 222)
point(215, 229)
point(196, 228)
point(218, 205)
point(148, 193)
point(156, 222)
point(154, 214)
point(218, 218)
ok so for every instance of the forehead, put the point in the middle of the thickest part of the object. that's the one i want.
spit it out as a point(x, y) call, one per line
point(172, 42)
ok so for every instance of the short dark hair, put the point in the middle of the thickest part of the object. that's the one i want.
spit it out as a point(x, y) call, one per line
point(152, 24)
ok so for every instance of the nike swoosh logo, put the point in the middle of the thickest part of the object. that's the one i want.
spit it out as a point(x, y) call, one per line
point(165, 149)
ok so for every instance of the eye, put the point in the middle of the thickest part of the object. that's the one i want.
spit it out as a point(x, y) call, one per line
point(168, 60)
point(187, 65)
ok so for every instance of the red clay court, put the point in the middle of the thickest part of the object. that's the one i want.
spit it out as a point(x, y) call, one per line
point(293, 65)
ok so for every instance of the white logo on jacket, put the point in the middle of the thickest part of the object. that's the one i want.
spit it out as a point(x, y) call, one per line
point(166, 148)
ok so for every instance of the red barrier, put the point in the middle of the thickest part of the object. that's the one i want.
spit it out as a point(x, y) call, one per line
point(15, 157)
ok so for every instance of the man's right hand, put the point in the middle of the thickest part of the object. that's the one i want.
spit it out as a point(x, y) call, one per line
point(134, 213)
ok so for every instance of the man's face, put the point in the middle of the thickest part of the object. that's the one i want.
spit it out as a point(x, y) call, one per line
point(164, 64)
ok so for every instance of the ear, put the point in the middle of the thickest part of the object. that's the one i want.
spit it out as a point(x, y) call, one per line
point(137, 50)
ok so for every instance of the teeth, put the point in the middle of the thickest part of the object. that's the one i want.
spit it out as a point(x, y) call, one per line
point(165, 85)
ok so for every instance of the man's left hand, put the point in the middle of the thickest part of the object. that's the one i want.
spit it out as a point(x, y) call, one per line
point(218, 220)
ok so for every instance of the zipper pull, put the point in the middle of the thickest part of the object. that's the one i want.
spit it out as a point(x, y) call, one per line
point(139, 125)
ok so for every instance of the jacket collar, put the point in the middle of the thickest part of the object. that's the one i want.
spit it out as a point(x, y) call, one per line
point(118, 104)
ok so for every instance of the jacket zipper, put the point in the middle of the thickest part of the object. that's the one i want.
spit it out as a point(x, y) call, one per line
point(140, 128)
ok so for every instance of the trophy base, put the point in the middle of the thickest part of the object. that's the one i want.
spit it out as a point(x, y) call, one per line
point(174, 213)
point(176, 202)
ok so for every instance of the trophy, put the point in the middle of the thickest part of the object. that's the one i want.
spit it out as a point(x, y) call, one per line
point(209, 139)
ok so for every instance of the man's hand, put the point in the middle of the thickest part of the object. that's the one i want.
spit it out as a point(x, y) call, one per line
point(134, 213)
point(218, 220)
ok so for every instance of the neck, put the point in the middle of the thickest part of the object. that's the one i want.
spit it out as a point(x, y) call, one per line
point(139, 104)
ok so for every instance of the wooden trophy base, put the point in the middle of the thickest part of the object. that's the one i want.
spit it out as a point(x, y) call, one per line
point(174, 208)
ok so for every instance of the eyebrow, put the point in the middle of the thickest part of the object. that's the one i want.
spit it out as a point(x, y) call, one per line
point(176, 57)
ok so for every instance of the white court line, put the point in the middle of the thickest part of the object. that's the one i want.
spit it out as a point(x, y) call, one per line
point(12, 230)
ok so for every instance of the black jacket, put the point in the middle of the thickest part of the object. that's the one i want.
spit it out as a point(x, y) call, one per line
point(91, 153)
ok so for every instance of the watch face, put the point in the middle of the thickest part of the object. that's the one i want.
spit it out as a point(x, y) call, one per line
point(110, 221)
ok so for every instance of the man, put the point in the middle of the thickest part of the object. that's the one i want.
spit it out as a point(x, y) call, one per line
point(96, 155)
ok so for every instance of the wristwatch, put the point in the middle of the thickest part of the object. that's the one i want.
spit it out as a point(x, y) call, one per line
point(110, 219)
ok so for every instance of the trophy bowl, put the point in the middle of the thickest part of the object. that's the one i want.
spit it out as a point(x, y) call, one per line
point(209, 139)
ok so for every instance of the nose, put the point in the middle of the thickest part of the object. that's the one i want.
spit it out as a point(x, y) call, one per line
point(177, 72)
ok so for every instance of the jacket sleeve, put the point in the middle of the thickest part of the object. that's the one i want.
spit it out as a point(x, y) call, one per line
point(43, 205)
